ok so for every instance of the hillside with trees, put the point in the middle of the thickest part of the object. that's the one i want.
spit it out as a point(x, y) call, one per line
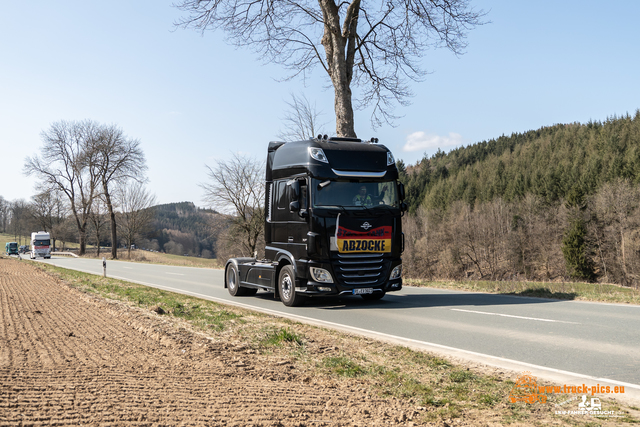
point(556, 203)
point(182, 228)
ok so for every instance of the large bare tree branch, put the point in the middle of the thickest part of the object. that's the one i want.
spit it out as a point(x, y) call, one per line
point(381, 53)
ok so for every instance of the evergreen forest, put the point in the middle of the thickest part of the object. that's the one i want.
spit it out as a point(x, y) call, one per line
point(557, 203)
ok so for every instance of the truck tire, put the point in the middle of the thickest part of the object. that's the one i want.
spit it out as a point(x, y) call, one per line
point(232, 280)
point(287, 287)
point(373, 297)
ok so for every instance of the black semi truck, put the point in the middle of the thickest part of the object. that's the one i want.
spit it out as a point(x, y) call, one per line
point(333, 209)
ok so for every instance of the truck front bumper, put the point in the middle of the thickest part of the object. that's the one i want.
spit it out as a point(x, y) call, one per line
point(311, 288)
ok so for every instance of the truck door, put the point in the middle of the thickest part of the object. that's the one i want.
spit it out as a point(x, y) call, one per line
point(289, 229)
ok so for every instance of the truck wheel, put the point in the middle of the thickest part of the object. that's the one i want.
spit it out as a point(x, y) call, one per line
point(287, 287)
point(233, 281)
point(373, 297)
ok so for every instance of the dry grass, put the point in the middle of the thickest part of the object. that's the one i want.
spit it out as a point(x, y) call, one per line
point(601, 292)
point(6, 238)
point(138, 255)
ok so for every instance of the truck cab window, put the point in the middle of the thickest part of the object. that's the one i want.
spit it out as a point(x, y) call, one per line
point(355, 194)
point(282, 202)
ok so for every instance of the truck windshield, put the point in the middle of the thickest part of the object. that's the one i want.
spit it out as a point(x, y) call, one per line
point(13, 245)
point(41, 242)
point(354, 194)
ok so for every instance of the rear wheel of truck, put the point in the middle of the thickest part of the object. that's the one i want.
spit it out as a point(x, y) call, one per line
point(232, 280)
point(287, 287)
point(373, 297)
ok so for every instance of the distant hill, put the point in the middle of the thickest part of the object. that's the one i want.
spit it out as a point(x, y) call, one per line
point(182, 228)
point(558, 203)
point(549, 162)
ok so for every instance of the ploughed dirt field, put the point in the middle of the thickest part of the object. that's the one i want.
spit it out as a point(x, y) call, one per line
point(67, 358)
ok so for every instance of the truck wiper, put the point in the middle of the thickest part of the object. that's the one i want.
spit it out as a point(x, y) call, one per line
point(369, 211)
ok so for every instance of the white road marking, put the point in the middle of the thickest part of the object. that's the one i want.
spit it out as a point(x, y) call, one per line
point(175, 274)
point(128, 268)
point(517, 317)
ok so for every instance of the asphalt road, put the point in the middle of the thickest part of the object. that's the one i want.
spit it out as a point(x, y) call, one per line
point(567, 341)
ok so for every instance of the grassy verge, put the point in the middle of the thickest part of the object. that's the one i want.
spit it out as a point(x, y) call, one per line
point(138, 255)
point(25, 240)
point(567, 290)
point(6, 238)
point(440, 391)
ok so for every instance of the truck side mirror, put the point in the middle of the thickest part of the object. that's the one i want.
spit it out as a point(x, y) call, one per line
point(401, 191)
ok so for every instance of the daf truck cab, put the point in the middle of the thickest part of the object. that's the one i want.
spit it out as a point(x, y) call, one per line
point(40, 245)
point(333, 209)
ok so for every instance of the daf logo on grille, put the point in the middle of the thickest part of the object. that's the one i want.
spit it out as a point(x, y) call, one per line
point(366, 226)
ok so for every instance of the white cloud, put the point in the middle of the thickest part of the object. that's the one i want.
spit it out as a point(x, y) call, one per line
point(421, 141)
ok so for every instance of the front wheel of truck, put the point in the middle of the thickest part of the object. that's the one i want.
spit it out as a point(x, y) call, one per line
point(287, 287)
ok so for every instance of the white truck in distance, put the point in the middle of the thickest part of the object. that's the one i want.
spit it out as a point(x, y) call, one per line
point(40, 245)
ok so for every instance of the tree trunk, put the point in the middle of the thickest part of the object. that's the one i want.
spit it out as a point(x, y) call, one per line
point(624, 258)
point(114, 233)
point(344, 110)
point(82, 234)
point(112, 218)
point(339, 46)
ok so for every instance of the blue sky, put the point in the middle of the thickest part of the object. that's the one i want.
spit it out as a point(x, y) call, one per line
point(193, 99)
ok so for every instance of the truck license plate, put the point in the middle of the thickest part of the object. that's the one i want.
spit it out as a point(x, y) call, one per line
point(362, 291)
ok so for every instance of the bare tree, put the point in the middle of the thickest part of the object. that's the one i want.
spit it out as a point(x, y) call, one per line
point(119, 159)
point(21, 220)
point(615, 205)
point(48, 210)
point(136, 211)
point(4, 214)
point(376, 46)
point(236, 187)
point(300, 120)
point(68, 163)
point(97, 217)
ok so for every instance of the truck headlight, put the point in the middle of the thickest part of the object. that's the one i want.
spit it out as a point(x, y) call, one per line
point(318, 154)
point(396, 272)
point(321, 275)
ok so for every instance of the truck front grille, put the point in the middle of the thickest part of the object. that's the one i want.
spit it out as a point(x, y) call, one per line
point(360, 269)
